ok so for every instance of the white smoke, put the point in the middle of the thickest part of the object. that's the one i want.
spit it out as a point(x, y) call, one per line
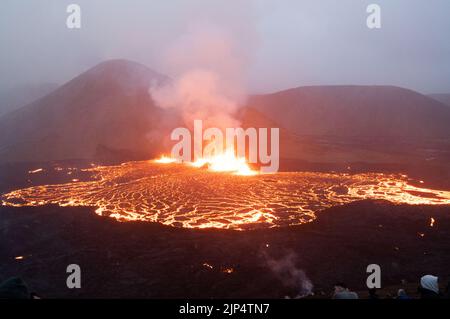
point(291, 276)
point(198, 95)
point(209, 80)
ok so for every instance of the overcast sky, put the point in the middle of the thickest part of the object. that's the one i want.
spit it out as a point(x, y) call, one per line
point(282, 43)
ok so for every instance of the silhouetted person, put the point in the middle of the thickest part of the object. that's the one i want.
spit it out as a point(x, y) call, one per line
point(342, 292)
point(447, 291)
point(15, 288)
point(402, 295)
point(373, 294)
point(429, 287)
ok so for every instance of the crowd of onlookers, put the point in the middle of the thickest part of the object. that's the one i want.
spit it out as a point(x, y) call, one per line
point(428, 289)
point(16, 288)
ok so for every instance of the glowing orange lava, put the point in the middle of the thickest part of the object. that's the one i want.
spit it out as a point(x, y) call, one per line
point(208, 265)
point(228, 270)
point(225, 162)
point(185, 196)
point(165, 160)
point(35, 171)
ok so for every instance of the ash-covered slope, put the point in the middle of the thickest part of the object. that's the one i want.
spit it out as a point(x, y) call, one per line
point(17, 97)
point(443, 98)
point(356, 111)
point(361, 125)
point(105, 112)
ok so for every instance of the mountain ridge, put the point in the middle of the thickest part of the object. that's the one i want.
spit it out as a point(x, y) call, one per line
point(107, 106)
point(107, 112)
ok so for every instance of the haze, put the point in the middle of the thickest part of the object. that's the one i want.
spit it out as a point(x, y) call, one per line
point(280, 44)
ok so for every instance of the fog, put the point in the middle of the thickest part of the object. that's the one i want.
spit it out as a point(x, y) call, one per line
point(280, 44)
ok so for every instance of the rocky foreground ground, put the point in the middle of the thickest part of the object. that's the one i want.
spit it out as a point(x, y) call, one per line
point(145, 260)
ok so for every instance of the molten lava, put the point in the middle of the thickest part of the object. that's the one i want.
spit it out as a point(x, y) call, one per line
point(36, 171)
point(184, 196)
point(225, 162)
point(432, 221)
point(165, 160)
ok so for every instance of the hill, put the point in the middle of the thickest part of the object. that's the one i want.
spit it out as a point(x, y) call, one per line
point(105, 112)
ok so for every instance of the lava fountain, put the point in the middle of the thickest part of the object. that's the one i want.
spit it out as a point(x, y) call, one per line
point(226, 162)
point(165, 160)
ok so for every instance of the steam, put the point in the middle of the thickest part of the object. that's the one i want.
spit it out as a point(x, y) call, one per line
point(209, 82)
point(198, 96)
point(291, 276)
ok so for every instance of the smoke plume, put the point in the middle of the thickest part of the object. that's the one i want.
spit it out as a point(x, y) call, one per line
point(291, 276)
point(208, 84)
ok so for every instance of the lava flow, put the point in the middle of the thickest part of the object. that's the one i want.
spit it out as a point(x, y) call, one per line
point(185, 196)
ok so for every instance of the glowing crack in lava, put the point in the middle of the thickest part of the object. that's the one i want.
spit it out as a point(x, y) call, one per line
point(184, 196)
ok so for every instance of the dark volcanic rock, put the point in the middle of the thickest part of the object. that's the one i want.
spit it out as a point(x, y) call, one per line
point(135, 259)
